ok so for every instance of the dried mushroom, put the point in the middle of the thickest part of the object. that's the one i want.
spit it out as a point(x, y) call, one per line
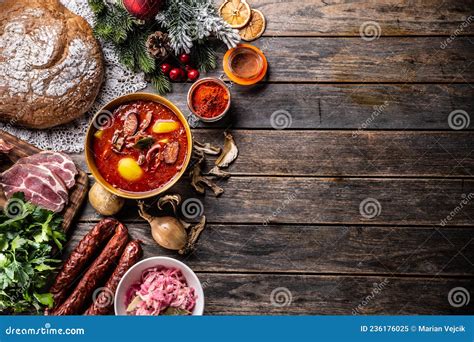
point(217, 172)
point(198, 181)
point(229, 153)
point(214, 187)
point(207, 148)
point(173, 200)
point(197, 156)
point(193, 236)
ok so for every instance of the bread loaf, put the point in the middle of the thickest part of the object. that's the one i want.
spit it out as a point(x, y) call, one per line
point(51, 66)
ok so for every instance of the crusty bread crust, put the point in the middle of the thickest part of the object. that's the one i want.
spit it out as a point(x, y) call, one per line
point(51, 66)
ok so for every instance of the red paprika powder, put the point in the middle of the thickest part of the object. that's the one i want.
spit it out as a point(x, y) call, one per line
point(209, 99)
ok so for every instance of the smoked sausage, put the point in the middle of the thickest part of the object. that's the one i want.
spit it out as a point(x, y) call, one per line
point(87, 248)
point(104, 301)
point(106, 260)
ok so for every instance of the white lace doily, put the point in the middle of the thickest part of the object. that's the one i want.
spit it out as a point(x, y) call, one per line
point(118, 81)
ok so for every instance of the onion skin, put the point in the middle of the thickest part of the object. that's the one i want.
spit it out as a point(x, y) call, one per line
point(167, 231)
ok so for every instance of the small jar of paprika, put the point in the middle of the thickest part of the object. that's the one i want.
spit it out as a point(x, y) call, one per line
point(209, 99)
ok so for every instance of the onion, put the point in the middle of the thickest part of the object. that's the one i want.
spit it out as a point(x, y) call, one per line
point(167, 231)
point(170, 232)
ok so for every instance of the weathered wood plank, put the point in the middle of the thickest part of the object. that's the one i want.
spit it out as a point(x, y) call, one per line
point(386, 59)
point(346, 153)
point(240, 294)
point(319, 249)
point(266, 200)
point(342, 106)
point(336, 17)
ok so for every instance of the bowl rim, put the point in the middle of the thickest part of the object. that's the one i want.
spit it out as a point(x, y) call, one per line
point(193, 87)
point(111, 105)
point(181, 265)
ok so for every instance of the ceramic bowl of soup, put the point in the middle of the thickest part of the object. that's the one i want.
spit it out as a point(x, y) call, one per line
point(138, 145)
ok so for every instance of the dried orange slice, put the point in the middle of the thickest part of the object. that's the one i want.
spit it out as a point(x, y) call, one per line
point(235, 12)
point(254, 28)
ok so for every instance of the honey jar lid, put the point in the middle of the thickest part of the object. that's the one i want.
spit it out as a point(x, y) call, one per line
point(245, 64)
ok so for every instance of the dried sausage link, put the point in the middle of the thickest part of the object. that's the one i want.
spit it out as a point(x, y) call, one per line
point(80, 256)
point(74, 304)
point(104, 302)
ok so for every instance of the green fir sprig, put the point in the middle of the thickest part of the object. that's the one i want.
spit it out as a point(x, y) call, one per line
point(189, 24)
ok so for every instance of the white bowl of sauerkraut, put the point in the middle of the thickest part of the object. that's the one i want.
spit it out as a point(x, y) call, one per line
point(159, 286)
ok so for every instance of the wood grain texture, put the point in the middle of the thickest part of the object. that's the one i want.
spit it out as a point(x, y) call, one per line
point(346, 153)
point(388, 59)
point(243, 294)
point(350, 59)
point(342, 106)
point(76, 195)
point(336, 17)
point(319, 249)
point(279, 200)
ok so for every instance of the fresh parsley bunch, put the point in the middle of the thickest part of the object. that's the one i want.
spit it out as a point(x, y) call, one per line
point(27, 237)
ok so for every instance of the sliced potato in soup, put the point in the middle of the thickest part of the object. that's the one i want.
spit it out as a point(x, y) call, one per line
point(165, 126)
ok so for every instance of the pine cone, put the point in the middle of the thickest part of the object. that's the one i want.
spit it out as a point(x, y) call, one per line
point(157, 44)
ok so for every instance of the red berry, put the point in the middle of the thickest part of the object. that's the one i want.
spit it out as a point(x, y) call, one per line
point(176, 74)
point(184, 58)
point(193, 74)
point(166, 68)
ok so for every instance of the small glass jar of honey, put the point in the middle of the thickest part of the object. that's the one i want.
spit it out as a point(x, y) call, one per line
point(245, 64)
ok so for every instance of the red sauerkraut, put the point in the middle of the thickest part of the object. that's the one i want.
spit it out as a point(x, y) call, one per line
point(160, 289)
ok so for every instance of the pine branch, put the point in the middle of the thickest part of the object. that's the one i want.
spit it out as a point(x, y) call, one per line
point(116, 25)
point(205, 57)
point(122, 22)
point(97, 6)
point(143, 60)
point(103, 29)
point(126, 56)
point(113, 22)
point(161, 83)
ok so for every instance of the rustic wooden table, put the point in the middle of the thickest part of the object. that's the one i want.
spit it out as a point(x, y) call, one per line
point(341, 209)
